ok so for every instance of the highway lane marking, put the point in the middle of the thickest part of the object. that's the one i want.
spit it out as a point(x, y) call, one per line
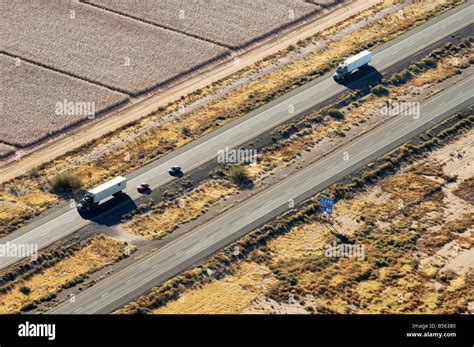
point(264, 193)
point(455, 24)
point(181, 240)
point(306, 90)
point(318, 163)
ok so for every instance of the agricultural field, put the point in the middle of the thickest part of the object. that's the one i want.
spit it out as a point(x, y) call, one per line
point(120, 53)
point(25, 121)
point(83, 50)
point(234, 24)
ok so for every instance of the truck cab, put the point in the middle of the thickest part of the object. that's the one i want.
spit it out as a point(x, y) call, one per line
point(341, 71)
point(87, 203)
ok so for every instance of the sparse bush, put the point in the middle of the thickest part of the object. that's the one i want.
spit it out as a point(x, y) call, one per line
point(401, 77)
point(380, 90)
point(34, 172)
point(25, 290)
point(335, 113)
point(239, 175)
point(186, 131)
point(65, 183)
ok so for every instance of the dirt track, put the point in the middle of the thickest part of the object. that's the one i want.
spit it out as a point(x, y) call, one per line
point(137, 110)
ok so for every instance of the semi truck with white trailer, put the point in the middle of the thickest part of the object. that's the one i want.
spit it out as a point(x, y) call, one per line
point(358, 61)
point(93, 197)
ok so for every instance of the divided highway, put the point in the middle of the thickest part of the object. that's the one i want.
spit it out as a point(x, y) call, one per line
point(136, 279)
point(66, 220)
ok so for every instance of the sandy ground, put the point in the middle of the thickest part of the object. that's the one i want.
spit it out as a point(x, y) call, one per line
point(143, 107)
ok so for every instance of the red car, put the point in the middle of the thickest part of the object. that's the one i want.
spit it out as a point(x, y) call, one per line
point(143, 188)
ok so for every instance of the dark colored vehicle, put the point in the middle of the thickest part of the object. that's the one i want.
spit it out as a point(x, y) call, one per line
point(143, 188)
point(175, 171)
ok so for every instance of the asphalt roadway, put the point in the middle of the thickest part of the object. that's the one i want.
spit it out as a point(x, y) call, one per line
point(120, 288)
point(64, 221)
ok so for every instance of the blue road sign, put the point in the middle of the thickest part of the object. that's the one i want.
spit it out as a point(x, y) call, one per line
point(326, 204)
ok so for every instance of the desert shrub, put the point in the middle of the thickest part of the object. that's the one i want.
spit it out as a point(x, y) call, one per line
point(239, 175)
point(25, 290)
point(186, 131)
point(65, 183)
point(401, 77)
point(34, 172)
point(380, 90)
point(428, 63)
point(335, 113)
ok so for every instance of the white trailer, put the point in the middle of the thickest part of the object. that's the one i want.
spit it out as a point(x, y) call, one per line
point(358, 61)
point(94, 196)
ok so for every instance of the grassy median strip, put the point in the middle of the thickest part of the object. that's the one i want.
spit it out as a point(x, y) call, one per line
point(167, 216)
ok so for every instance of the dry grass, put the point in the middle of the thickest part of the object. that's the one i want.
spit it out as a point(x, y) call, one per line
point(466, 190)
point(401, 273)
point(97, 254)
point(165, 218)
point(107, 43)
point(23, 123)
point(229, 296)
point(6, 149)
point(234, 23)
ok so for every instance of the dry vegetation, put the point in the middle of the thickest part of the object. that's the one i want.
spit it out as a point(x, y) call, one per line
point(304, 136)
point(114, 51)
point(234, 23)
point(165, 217)
point(417, 238)
point(33, 287)
point(6, 150)
point(29, 120)
point(160, 138)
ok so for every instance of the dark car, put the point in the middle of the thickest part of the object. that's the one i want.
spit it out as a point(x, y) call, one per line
point(175, 171)
point(143, 188)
